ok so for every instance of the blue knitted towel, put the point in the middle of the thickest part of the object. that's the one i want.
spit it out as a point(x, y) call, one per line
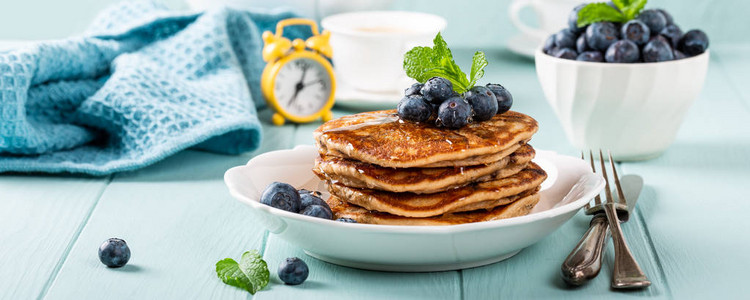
point(141, 84)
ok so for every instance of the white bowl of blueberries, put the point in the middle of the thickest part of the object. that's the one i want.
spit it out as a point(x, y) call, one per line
point(622, 78)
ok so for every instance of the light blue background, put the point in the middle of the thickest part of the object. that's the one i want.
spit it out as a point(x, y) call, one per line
point(471, 23)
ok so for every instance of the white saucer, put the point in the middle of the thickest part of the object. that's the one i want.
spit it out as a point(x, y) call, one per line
point(523, 45)
point(352, 98)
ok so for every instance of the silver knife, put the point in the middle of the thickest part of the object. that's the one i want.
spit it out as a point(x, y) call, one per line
point(585, 261)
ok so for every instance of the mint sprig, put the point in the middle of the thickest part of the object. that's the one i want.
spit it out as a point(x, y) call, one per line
point(423, 63)
point(250, 274)
point(599, 12)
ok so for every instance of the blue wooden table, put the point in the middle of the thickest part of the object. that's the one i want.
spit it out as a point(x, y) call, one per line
point(688, 232)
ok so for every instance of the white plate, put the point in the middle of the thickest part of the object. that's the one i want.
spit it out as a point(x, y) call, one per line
point(352, 98)
point(406, 248)
point(523, 45)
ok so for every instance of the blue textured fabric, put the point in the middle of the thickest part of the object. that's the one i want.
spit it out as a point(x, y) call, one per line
point(142, 83)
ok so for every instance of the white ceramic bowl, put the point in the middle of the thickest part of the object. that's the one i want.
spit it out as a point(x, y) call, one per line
point(407, 248)
point(634, 110)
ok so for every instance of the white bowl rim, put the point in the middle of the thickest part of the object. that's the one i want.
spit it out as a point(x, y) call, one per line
point(424, 229)
point(329, 23)
point(686, 60)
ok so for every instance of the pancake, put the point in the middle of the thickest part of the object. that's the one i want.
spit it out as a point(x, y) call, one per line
point(428, 205)
point(417, 180)
point(520, 207)
point(382, 139)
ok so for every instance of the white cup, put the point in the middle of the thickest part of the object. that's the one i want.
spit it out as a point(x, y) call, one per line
point(369, 47)
point(551, 14)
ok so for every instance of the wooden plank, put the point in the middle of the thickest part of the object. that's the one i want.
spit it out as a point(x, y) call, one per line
point(733, 62)
point(329, 281)
point(40, 218)
point(178, 219)
point(694, 203)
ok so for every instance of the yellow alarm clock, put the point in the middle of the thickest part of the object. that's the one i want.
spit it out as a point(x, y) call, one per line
point(298, 81)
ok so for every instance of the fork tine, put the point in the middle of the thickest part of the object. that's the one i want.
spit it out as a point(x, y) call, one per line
point(597, 198)
point(607, 191)
point(620, 196)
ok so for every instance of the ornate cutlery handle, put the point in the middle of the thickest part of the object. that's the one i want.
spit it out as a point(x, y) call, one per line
point(585, 261)
point(627, 273)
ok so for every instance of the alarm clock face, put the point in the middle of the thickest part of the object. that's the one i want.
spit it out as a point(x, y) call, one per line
point(302, 87)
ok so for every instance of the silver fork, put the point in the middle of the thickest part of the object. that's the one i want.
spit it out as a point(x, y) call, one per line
point(626, 273)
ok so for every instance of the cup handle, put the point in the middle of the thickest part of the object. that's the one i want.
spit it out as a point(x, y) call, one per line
point(515, 18)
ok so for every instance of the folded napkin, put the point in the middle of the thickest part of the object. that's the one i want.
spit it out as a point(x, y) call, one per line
point(142, 83)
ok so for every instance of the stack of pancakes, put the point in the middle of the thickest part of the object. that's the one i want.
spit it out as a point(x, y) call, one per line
point(383, 170)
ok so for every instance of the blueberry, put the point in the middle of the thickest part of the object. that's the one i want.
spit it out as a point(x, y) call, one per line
point(581, 45)
point(565, 53)
point(414, 89)
point(549, 43)
point(414, 108)
point(654, 19)
point(346, 220)
point(304, 191)
point(636, 31)
point(694, 42)
point(454, 113)
point(504, 98)
point(672, 33)
point(437, 89)
point(114, 253)
point(307, 199)
point(483, 102)
point(293, 271)
point(657, 50)
point(565, 39)
point(666, 15)
point(318, 211)
point(601, 35)
point(624, 51)
point(679, 55)
point(592, 56)
point(282, 196)
point(573, 19)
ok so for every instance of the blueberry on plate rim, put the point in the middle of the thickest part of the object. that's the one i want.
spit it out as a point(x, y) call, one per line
point(282, 196)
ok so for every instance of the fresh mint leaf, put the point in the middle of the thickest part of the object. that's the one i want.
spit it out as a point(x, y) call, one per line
point(423, 63)
point(478, 62)
point(635, 7)
point(250, 274)
point(621, 4)
point(598, 12)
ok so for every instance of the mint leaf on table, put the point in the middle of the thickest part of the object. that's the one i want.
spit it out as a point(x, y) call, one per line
point(478, 62)
point(598, 12)
point(423, 63)
point(250, 274)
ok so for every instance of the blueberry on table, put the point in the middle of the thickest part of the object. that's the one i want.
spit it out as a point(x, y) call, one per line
point(591, 56)
point(565, 53)
point(114, 253)
point(454, 113)
point(346, 220)
point(482, 101)
point(565, 39)
point(623, 51)
point(573, 19)
point(581, 44)
point(654, 19)
point(549, 44)
point(657, 50)
point(307, 199)
point(636, 31)
point(414, 108)
point(601, 35)
point(666, 15)
point(318, 211)
point(282, 196)
point(503, 96)
point(672, 33)
point(293, 271)
point(694, 42)
point(437, 89)
point(414, 89)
